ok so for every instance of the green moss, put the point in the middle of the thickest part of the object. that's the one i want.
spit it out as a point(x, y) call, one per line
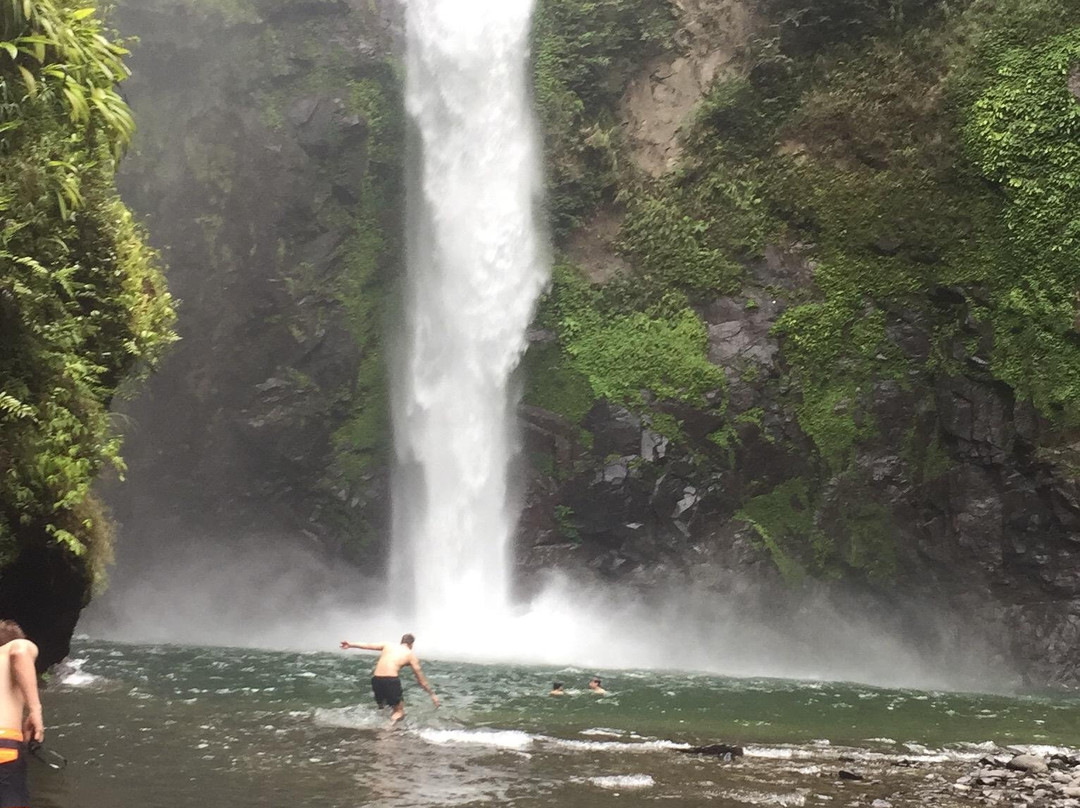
point(1023, 134)
point(670, 250)
point(566, 524)
point(868, 540)
point(782, 518)
point(625, 355)
point(554, 383)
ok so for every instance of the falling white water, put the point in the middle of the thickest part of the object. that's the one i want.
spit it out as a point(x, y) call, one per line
point(476, 267)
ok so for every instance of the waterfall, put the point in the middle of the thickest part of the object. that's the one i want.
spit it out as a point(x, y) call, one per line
point(476, 266)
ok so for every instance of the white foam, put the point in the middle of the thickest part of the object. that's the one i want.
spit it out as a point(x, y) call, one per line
point(763, 798)
point(502, 739)
point(620, 781)
point(74, 676)
point(614, 746)
point(603, 731)
point(779, 752)
point(1047, 751)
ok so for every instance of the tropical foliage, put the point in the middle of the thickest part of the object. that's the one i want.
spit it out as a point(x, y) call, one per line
point(83, 305)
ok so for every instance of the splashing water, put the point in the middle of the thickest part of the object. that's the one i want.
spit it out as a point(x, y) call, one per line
point(477, 265)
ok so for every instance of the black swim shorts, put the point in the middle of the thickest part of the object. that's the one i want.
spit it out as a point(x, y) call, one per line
point(13, 788)
point(387, 690)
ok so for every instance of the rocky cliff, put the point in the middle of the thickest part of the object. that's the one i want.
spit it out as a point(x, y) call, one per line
point(815, 316)
point(267, 167)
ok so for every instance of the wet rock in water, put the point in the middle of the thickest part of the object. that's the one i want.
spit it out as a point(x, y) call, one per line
point(723, 750)
point(1027, 763)
point(881, 804)
point(844, 774)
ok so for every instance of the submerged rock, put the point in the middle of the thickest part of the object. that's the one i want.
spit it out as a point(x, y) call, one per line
point(726, 751)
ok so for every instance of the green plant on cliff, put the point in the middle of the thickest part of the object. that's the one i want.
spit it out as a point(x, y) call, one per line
point(628, 354)
point(583, 53)
point(83, 305)
point(1023, 134)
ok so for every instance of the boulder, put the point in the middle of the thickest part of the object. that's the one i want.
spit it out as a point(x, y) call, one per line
point(1028, 763)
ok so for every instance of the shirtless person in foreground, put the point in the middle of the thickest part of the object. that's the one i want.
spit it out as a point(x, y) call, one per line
point(20, 712)
point(385, 681)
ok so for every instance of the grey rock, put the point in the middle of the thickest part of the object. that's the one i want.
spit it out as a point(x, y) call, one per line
point(1028, 763)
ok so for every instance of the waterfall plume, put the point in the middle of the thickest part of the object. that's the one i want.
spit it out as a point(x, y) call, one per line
point(476, 266)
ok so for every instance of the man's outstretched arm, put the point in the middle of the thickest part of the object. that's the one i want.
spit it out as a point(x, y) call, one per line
point(23, 654)
point(363, 646)
point(421, 680)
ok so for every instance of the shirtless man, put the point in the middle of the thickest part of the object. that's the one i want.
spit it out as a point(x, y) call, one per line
point(20, 712)
point(385, 681)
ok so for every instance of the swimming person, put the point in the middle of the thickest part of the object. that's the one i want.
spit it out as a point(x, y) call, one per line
point(385, 681)
point(21, 720)
point(594, 686)
point(557, 689)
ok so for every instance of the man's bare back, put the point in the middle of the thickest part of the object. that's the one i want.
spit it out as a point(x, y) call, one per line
point(18, 688)
point(392, 658)
point(21, 722)
point(385, 681)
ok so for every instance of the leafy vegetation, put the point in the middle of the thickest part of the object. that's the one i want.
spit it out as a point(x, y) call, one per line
point(83, 305)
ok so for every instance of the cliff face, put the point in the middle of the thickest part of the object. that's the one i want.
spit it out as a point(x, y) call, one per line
point(267, 168)
point(814, 322)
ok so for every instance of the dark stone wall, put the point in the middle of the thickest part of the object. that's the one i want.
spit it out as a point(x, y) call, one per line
point(257, 174)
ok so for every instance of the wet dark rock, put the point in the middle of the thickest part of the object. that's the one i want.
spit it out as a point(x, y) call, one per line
point(615, 430)
point(845, 774)
point(722, 750)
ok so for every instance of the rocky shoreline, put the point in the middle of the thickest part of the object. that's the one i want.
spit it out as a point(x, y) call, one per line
point(1024, 779)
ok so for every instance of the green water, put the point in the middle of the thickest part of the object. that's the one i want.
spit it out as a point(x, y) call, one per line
point(178, 726)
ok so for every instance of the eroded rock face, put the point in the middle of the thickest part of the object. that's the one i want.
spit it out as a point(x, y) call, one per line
point(660, 99)
point(44, 592)
point(255, 166)
point(982, 524)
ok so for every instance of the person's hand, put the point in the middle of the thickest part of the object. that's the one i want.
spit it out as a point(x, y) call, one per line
point(345, 644)
point(434, 699)
point(34, 727)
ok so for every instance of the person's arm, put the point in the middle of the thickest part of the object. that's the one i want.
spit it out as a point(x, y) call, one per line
point(23, 655)
point(414, 663)
point(363, 646)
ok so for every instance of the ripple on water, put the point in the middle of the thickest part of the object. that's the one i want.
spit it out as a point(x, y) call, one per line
point(344, 717)
point(622, 781)
point(502, 739)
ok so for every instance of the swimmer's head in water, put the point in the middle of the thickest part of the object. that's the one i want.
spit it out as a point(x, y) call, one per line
point(556, 685)
point(10, 630)
point(408, 639)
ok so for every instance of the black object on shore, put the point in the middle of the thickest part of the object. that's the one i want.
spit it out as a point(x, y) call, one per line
point(726, 751)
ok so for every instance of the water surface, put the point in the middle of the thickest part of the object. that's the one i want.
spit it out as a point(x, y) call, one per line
point(204, 727)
